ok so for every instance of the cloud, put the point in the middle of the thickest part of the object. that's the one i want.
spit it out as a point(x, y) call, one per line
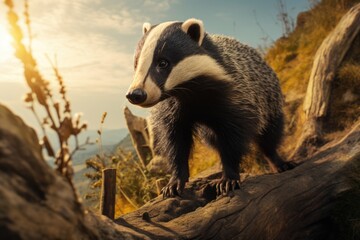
point(93, 41)
point(87, 40)
point(159, 5)
point(86, 15)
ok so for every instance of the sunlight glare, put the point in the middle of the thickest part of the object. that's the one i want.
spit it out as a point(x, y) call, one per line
point(6, 49)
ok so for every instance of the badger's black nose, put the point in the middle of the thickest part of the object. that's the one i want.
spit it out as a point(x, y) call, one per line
point(136, 96)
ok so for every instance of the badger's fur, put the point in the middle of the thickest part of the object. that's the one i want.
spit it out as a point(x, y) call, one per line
point(208, 85)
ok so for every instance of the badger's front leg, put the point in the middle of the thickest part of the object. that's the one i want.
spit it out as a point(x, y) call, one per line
point(179, 147)
point(232, 144)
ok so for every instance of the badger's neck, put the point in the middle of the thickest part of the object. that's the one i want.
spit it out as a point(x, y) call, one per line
point(212, 49)
point(203, 91)
point(204, 68)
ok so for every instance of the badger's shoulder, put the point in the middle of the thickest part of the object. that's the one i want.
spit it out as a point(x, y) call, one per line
point(229, 45)
point(237, 58)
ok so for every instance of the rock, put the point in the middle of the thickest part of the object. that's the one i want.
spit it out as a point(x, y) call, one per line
point(35, 202)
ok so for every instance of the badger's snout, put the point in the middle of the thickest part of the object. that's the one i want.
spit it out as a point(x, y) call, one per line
point(137, 96)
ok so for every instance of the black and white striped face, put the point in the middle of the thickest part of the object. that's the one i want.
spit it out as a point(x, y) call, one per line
point(168, 54)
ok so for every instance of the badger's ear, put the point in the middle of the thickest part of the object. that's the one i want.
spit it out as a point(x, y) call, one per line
point(146, 27)
point(195, 29)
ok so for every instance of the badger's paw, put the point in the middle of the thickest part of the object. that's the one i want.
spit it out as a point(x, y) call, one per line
point(225, 185)
point(174, 188)
point(287, 166)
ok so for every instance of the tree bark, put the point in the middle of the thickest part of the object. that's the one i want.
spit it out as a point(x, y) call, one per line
point(37, 203)
point(327, 60)
point(296, 204)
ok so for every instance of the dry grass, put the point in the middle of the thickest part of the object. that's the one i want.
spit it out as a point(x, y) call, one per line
point(292, 59)
point(134, 184)
point(345, 97)
point(202, 158)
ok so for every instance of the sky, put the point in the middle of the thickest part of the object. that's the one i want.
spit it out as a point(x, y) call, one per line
point(93, 43)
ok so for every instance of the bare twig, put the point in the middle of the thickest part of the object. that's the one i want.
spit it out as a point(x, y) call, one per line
point(64, 125)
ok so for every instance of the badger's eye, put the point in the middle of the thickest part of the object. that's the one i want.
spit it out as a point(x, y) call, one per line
point(162, 63)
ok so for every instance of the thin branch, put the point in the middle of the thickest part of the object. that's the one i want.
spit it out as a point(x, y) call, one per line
point(128, 198)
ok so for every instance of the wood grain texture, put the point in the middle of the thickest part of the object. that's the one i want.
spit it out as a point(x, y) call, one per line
point(296, 204)
point(37, 203)
point(326, 62)
point(108, 192)
point(139, 135)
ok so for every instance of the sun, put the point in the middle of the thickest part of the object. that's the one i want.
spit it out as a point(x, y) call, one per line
point(6, 49)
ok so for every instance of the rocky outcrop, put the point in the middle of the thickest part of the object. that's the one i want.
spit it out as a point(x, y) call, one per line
point(36, 202)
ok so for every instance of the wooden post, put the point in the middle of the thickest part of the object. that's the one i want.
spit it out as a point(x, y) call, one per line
point(108, 191)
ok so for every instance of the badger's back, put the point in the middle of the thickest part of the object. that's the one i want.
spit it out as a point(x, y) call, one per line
point(255, 87)
point(255, 83)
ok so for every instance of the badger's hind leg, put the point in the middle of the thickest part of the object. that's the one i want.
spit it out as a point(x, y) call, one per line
point(268, 143)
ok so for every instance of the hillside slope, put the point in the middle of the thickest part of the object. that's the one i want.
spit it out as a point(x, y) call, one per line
point(292, 59)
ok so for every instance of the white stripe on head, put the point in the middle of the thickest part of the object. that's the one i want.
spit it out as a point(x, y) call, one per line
point(195, 66)
point(147, 54)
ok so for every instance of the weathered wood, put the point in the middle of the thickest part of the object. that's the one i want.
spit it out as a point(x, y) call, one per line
point(108, 192)
point(326, 62)
point(37, 203)
point(296, 204)
point(139, 135)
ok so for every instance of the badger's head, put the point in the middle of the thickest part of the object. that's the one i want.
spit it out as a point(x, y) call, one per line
point(168, 55)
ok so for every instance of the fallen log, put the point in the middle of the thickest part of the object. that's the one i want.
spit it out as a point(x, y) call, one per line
point(297, 204)
point(37, 203)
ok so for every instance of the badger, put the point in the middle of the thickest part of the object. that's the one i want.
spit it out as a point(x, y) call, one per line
point(211, 86)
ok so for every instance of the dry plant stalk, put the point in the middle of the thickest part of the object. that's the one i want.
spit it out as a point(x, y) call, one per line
point(101, 156)
point(58, 115)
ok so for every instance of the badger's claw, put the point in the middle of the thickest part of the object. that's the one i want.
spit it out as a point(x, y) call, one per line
point(174, 188)
point(224, 185)
point(286, 166)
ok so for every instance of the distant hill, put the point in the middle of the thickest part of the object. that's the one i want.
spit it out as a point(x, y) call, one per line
point(82, 182)
point(111, 138)
point(126, 144)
